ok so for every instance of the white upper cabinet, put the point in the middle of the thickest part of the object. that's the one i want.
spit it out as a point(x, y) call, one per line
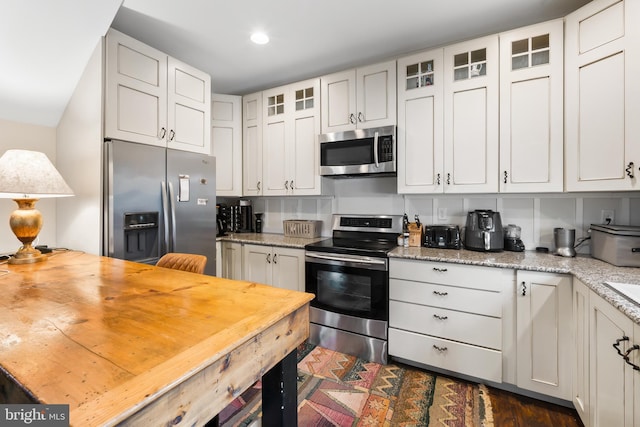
point(602, 95)
point(471, 71)
point(290, 139)
point(531, 108)
point(226, 143)
point(252, 144)
point(420, 123)
point(360, 98)
point(154, 99)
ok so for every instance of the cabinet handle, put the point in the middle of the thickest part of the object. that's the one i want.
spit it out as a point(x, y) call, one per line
point(440, 270)
point(626, 357)
point(629, 170)
point(275, 258)
point(269, 258)
point(524, 289)
point(291, 184)
point(440, 349)
point(506, 175)
point(163, 132)
point(617, 344)
point(172, 135)
point(286, 185)
point(448, 178)
point(352, 118)
point(360, 117)
point(441, 294)
point(438, 179)
point(258, 185)
point(440, 317)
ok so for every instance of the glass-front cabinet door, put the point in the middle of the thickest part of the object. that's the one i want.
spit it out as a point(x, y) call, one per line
point(420, 128)
point(531, 108)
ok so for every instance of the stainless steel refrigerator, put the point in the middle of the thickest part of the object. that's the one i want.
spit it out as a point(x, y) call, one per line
point(158, 200)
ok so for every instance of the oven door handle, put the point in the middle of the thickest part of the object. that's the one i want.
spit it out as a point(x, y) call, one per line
point(371, 263)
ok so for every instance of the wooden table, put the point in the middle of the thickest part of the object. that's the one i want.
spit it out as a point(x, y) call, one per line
point(125, 342)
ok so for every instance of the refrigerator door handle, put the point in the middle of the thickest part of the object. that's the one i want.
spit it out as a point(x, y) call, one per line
point(165, 213)
point(172, 206)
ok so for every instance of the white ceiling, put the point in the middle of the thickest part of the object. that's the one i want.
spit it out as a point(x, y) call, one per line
point(46, 43)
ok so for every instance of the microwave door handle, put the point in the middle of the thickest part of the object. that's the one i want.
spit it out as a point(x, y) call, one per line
point(375, 149)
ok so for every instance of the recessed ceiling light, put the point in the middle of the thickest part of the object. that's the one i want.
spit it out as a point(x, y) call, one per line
point(259, 38)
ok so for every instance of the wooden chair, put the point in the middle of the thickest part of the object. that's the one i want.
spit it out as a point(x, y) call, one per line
point(185, 262)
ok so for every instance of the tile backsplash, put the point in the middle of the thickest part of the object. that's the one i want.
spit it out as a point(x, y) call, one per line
point(536, 214)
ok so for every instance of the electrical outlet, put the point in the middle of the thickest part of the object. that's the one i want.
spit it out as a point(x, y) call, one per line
point(607, 216)
point(442, 214)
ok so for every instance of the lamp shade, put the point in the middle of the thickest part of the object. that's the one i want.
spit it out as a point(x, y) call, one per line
point(28, 174)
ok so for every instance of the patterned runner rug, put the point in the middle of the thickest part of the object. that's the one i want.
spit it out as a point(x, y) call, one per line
point(336, 389)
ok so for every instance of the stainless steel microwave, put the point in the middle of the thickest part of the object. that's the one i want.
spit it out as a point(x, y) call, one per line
point(358, 152)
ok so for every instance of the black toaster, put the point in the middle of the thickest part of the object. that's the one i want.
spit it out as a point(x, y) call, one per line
point(442, 236)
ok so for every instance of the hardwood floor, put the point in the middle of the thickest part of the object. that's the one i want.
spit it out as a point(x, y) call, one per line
point(513, 410)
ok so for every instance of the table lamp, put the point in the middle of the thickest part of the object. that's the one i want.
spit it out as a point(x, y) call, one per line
point(27, 176)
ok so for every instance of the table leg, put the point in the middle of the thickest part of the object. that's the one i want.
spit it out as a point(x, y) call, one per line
point(280, 394)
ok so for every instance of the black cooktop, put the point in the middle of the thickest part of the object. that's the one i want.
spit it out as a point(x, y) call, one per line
point(371, 236)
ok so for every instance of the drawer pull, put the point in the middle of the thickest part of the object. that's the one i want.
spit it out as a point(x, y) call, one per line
point(439, 270)
point(440, 317)
point(440, 349)
point(441, 294)
point(626, 357)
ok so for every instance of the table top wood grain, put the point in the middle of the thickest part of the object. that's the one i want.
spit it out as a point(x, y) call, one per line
point(126, 342)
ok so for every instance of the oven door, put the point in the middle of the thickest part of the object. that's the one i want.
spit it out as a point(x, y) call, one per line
point(347, 284)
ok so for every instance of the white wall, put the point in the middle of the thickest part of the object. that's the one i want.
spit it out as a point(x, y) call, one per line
point(28, 137)
point(536, 214)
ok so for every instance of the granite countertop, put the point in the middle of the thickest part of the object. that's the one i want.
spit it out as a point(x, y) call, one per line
point(592, 272)
point(269, 239)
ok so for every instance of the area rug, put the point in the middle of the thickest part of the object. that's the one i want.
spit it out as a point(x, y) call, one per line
point(336, 389)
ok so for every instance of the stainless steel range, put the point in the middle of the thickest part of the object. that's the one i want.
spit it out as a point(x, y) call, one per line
point(349, 274)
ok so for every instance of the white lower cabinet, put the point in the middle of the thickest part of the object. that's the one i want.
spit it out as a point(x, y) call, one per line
point(449, 316)
point(611, 379)
point(581, 350)
point(543, 328)
point(231, 261)
point(271, 265)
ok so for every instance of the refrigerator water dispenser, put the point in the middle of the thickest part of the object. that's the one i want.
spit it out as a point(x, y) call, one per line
point(141, 236)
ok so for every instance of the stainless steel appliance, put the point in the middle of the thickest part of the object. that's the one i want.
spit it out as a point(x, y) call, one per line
point(349, 275)
point(358, 152)
point(484, 231)
point(442, 236)
point(158, 200)
point(616, 244)
point(564, 239)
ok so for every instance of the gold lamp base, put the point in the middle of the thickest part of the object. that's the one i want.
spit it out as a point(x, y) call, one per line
point(26, 222)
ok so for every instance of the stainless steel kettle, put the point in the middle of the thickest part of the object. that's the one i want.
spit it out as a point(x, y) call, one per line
point(484, 231)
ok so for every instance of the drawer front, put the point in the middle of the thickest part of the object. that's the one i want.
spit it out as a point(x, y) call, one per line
point(457, 357)
point(473, 329)
point(488, 303)
point(468, 276)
